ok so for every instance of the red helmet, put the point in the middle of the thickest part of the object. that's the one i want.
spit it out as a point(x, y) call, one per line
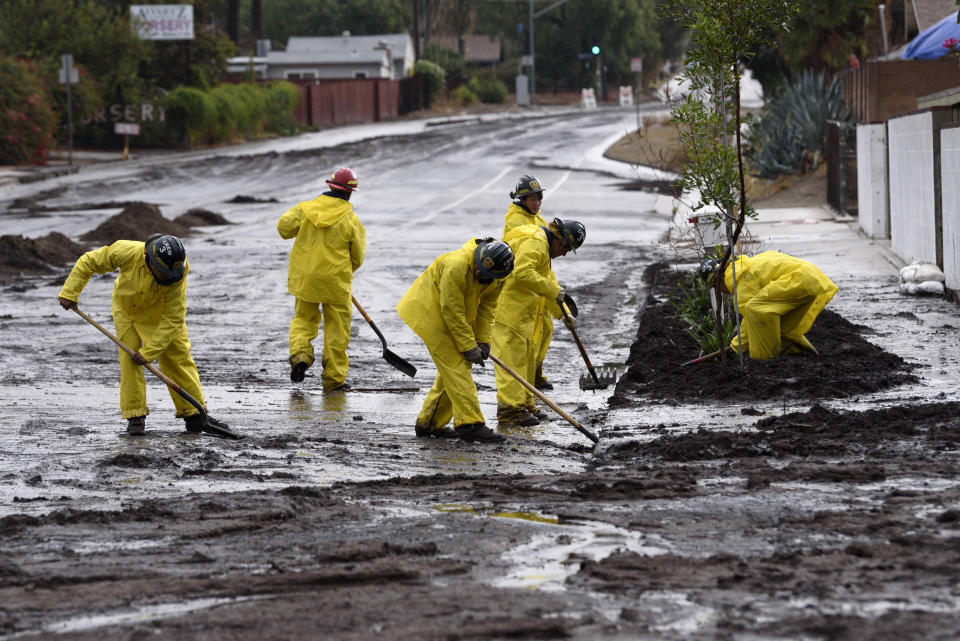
point(344, 179)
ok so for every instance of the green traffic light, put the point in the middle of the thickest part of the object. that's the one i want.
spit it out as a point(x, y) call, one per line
point(595, 50)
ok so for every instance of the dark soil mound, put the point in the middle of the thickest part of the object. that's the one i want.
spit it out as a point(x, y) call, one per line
point(246, 200)
point(19, 255)
point(136, 222)
point(201, 218)
point(847, 366)
point(818, 432)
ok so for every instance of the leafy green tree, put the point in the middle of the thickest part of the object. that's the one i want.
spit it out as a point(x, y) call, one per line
point(26, 118)
point(285, 18)
point(724, 32)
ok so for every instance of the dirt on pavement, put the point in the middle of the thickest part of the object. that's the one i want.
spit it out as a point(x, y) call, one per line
point(816, 524)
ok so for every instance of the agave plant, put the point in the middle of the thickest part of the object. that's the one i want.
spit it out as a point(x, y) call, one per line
point(794, 121)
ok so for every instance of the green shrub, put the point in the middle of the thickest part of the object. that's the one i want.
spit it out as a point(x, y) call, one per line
point(452, 62)
point(489, 89)
point(282, 98)
point(435, 78)
point(694, 310)
point(465, 96)
point(192, 114)
point(27, 121)
point(794, 122)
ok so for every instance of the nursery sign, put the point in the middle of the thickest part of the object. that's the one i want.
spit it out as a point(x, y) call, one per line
point(162, 21)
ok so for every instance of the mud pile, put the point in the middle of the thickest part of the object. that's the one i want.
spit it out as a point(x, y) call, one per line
point(19, 255)
point(848, 364)
point(201, 218)
point(136, 222)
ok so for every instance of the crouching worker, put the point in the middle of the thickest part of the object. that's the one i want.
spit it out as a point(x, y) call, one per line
point(778, 296)
point(149, 314)
point(330, 245)
point(530, 297)
point(450, 306)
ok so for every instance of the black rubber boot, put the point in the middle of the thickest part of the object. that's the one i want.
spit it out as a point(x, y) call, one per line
point(438, 432)
point(478, 433)
point(194, 423)
point(298, 371)
point(136, 425)
point(518, 418)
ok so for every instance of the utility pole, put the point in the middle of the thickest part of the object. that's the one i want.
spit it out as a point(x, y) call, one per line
point(533, 54)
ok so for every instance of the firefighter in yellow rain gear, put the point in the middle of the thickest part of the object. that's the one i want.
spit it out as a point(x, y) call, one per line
point(330, 245)
point(529, 295)
point(779, 297)
point(149, 314)
point(525, 210)
point(451, 306)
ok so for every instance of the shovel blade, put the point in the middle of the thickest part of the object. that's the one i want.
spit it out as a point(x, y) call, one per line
point(399, 363)
point(606, 376)
point(220, 429)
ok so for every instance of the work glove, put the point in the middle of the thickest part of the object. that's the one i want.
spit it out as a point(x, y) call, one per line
point(474, 355)
point(484, 349)
point(571, 305)
point(570, 322)
point(66, 303)
point(560, 296)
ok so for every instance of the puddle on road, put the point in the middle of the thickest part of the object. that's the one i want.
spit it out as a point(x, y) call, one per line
point(138, 615)
point(551, 556)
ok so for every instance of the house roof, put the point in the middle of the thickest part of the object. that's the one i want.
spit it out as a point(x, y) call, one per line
point(371, 56)
point(336, 46)
point(477, 48)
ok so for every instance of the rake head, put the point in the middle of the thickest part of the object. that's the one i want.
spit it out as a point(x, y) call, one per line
point(605, 377)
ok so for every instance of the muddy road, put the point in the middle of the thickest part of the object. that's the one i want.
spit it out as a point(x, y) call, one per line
point(806, 500)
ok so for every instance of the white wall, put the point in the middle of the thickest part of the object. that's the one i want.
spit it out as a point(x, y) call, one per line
point(912, 186)
point(873, 206)
point(950, 199)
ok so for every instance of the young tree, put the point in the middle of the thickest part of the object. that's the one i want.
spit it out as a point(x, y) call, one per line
point(724, 33)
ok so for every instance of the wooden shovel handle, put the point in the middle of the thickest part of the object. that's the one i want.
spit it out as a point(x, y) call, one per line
point(583, 351)
point(590, 435)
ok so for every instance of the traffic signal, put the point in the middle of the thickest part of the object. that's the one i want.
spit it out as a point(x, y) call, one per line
point(596, 50)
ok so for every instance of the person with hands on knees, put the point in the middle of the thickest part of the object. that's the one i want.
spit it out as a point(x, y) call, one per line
point(778, 296)
point(529, 295)
point(527, 197)
point(149, 314)
point(450, 307)
point(329, 247)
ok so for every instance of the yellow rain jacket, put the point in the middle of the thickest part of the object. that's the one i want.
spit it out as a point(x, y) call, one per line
point(779, 297)
point(148, 317)
point(326, 251)
point(452, 312)
point(518, 216)
point(528, 297)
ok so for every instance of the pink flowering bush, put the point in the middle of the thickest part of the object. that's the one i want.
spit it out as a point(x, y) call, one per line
point(27, 121)
point(952, 45)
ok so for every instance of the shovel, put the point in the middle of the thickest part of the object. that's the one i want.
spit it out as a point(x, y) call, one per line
point(389, 356)
point(210, 425)
point(607, 377)
point(590, 435)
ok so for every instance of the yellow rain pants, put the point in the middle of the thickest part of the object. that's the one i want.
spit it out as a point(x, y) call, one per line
point(519, 216)
point(148, 317)
point(330, 245)
point(451, 312)
point(779, 298)
point(523, 311)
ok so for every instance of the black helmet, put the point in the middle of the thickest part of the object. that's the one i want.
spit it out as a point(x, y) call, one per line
point(527, 185)
point(572, 231)
point(708, 271)
point(493, 258)
point(167, 257)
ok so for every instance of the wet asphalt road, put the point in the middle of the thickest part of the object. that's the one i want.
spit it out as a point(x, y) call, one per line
point(425, 188)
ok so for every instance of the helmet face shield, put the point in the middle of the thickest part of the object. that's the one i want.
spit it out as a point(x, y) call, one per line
point(493, 259)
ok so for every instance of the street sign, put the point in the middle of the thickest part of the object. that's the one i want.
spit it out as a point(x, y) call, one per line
point(636, 65)
point(67, 70)
point(126, 128)
point(588, 99)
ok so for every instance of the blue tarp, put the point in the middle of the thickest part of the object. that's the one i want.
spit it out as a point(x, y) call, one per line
point(928, 45)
